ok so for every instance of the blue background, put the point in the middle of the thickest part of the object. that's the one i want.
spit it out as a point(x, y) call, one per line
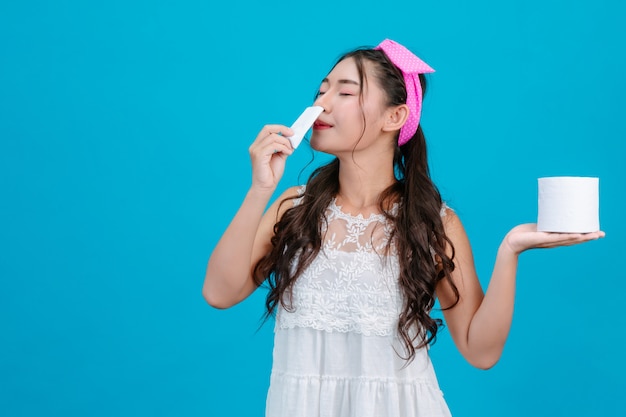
point(124, 129)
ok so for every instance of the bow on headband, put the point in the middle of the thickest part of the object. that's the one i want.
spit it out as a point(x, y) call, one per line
point(410, 66)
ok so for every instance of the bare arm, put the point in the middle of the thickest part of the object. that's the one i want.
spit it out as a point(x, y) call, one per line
point(480, 323)
point(228, 278)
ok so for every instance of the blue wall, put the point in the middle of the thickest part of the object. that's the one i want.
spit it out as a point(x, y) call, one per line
point(124, 129)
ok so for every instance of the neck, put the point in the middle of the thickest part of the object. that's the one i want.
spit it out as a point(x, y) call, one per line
point(362, 180)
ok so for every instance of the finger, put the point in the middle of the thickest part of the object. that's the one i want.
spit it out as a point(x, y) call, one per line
point(585, 237)
point(276, 129)
point(272, 141)
point(569, 239)
point(277, 148)
point(275, 139)
point(595, 235)
point(270, 145)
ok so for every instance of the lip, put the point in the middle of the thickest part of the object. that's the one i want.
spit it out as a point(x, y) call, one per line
point(319, 125)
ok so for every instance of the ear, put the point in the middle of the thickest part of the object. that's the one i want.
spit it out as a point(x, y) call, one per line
point(395, 117)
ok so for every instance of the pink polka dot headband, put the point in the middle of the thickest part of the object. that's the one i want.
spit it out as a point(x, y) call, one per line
point(410, 66)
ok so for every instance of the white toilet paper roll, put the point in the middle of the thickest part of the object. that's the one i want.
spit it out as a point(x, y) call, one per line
point(568, 205)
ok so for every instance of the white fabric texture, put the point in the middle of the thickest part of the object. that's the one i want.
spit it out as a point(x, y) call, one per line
point(336, 351)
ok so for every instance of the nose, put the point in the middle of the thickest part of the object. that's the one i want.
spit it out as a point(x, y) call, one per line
point(323, 102)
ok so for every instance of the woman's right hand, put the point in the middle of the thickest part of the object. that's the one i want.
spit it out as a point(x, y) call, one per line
point(268, 154)
point(526, 236)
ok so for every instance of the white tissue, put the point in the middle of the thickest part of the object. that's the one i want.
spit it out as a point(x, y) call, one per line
point(568, 205)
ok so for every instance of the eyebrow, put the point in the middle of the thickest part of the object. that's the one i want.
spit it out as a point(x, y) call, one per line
point(343, 81)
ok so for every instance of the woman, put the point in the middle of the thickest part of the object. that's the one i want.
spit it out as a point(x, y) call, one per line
point(356, 258)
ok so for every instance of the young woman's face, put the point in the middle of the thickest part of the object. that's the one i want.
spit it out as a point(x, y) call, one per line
point(348, 119)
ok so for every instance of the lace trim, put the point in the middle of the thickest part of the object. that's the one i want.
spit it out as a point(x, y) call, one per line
point(444, 207)
point(302, 189)
point(359, 218)
point(298, 200)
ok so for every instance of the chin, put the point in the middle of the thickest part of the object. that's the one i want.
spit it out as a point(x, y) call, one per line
point(316, 144)
point(319, 147)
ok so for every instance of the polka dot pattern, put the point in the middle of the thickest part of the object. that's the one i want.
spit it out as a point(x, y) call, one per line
point(410, 66)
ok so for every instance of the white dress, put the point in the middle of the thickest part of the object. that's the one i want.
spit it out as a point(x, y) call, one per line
point(335, 353)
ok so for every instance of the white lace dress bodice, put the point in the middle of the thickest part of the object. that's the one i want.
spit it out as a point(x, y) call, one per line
point(336, 351)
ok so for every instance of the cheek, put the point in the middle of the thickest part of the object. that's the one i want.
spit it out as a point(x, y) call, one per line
point(353, 114)
point(374, 115)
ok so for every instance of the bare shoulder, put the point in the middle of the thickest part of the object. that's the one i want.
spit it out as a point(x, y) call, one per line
point(285, 201)
point(292, 193)
point(262, 242)
point(451, 220)
point(455, 231)
point(288, 199)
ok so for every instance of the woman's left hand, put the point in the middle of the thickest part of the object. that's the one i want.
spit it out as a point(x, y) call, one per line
point(526, 236)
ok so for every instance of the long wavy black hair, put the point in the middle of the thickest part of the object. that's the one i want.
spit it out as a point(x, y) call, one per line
point(418, 228)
